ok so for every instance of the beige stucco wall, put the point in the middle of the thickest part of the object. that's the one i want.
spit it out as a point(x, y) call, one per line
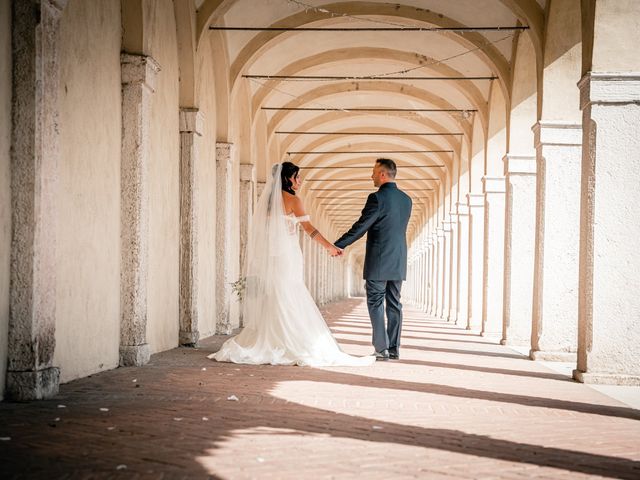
point(164, 205)
point(616, 29)
point(562, 63)
point(496, 132)
point(523, 99)
point(206, 192)
point(88, 214)
point(5, 182)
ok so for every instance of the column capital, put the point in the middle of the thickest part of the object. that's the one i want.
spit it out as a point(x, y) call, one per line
point(557, 133)
point(247, 172)
point(141, 69)
point(493, 184)
point(519, 164)
point(191, 120)
point(475, 200)
point(609, 87)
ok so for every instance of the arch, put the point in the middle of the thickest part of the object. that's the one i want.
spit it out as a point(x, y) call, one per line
point(220, 69)
point(467, 88)
point(263, 41)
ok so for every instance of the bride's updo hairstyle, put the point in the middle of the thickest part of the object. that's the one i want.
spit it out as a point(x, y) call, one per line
point(288, 171)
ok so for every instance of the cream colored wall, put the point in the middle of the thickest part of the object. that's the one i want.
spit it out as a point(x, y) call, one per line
point(5, 181)
point(206, 192)
point(523, 99)
point(164, 206)
point(616, 30)
point(497, 132)
point(562, 63)
point(88, 223)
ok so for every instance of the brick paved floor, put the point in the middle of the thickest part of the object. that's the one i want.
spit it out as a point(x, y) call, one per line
point(455, 406)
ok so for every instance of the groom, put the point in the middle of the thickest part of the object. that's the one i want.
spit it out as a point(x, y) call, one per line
point(384, 218)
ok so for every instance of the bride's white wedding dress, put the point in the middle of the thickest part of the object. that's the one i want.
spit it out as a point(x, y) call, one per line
point(283, 325)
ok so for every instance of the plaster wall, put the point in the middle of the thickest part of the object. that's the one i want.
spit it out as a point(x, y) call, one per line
point(5, 181)
point(164, 201)
point(562, 63)
point(496, 133)
point(206, 192)
point(616, 27)
point(88, 223)
point(523, 99)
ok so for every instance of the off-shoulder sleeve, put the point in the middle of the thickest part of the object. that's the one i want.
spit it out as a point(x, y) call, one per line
point(304, 218)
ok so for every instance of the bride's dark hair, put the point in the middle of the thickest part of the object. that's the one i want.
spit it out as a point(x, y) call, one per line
point(288, 171)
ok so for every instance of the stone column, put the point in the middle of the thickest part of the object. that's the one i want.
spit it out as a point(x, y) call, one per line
point(247, 187)
point(494, 188)
point(440, 241)
point(34, 158)
point(224, 207)
point(608, 333)
point(446, 270)
point(432, 274)
point(519, 233)
point(476, 260)
point(452, 247)
point(555, 285)
point(462, 307)
point(138, 82)
point(191, 124)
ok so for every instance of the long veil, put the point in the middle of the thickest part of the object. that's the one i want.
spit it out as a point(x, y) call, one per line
point(267, 249)
point(283, 325)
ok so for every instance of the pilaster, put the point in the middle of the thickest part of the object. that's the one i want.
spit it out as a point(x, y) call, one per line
point(494, 206)
point(247, 187)
point(224, 175)
point(191, 125)
point(475, 201)
point(138, 84)
point(520, 171)
point(555, 285)
point(34, 158)
point(608, 334)
point(462, 307)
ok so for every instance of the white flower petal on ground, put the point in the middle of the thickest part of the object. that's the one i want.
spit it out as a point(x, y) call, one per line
point(233, 398)
point(104, 409)
point(121, 467)
point(5, 439)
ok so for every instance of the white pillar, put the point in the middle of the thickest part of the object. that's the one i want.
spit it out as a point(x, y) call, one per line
point(440, 240)
point(446, 270)
point(609, 309)
point(138, 83)
point(191, 124)
point(224, 188)
point(34, 158)
point(247, 189)
point(476, 260)
point(520, 221)
point(452, 247)
point(462, 307)
point(555, 285)
point(494, 188)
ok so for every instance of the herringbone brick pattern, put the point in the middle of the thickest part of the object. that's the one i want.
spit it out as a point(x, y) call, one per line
point(455, 406)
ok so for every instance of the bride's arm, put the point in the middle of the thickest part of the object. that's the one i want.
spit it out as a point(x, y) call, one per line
point(298, 210)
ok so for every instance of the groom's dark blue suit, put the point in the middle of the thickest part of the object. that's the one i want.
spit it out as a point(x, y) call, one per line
point(384, 218)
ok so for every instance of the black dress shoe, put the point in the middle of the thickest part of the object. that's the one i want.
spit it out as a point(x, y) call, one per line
point(394, 354)
point(382, 356)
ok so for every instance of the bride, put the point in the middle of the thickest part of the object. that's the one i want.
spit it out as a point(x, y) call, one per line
point(283, 325)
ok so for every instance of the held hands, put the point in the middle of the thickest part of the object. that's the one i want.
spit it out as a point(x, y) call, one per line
point(335, 251)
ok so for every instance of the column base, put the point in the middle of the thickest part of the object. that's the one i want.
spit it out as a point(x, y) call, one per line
point(134, 355)
point(38, 385)
point(551, 356)
point(606, 378)
point(188, 339)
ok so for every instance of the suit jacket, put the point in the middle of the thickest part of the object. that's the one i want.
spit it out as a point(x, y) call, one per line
point(384, 218)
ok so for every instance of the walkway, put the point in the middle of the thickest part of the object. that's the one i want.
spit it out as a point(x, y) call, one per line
point(455, 406)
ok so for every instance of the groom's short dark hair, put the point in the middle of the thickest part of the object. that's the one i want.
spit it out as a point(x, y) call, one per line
point(389, 166)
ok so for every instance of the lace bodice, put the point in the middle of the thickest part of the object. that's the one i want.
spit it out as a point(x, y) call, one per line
point(293, 222)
